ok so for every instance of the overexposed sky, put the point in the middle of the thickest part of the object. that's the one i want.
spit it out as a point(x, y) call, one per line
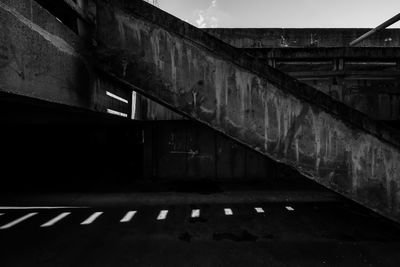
point(283, 13)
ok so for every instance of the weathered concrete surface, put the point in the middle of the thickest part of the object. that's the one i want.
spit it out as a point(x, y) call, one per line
point(147, 109)
point(364, 78)
point(189, 70)
point(44, 59)
point(278, 37)
point(39, 57)
point(354, 53)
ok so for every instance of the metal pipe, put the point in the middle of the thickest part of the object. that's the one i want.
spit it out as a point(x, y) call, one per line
point(380, 27)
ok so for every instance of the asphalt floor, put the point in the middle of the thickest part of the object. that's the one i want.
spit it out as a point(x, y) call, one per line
point(309, 233)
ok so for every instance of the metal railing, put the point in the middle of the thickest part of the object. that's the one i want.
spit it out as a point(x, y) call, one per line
point(375, 30)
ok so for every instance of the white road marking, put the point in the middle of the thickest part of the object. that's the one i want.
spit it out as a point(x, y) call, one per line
point(56, 219)
point(195, 213)
point(259, 210)
point(162, 215)
point(1, 214)
point(128, 216)
point(37, 208)
point(289, 208)
point(17, 221)
point(228, 212)
point(116, 97)
point(91, 218)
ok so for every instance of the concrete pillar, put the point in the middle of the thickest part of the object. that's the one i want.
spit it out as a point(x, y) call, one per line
point(83, 28)
point(272, 62)
point(339, 83)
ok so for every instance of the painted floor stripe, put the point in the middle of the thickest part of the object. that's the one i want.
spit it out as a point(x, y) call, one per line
point(91, 218)
point(195, 213)
point(128, 216)
point(56, 219)
point(37, 208)
point(259, 210)
point(289, 208)
point(228, 212)
point(17, 221)
point(162, 215)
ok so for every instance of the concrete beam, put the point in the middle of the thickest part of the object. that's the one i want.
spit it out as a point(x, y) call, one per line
point(188, 70)
point(323, 53)
point(292, 37)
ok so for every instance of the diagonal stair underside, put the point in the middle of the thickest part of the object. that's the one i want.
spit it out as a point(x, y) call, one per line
point(225, 88)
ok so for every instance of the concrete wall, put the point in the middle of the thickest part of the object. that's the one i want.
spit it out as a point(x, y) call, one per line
point(366, 79)
point(216, 84)
point(273, 37)
point(40, 57)
point(188, 151)
point(51, 147)
point(147, 109)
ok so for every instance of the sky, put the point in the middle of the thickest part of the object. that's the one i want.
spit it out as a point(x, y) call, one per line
point(283, 13)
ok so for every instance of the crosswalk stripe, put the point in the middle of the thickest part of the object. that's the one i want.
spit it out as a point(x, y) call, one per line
point(56, 219)
point(289, 208)
point(17, 221)
point(195, 213)
point(91, 218)
point(128, 216)
point(259, 210)
point(228, 212)
point(162, 215)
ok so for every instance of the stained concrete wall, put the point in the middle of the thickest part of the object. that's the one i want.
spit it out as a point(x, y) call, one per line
point(147, 109)
point(188, 151)
point(218, 85)
point(308, 37)
point(366, 79)
point(40, 57)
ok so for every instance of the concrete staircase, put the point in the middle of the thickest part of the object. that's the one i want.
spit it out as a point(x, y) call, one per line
point(145, 49)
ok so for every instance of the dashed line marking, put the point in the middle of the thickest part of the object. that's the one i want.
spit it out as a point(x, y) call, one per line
point(128, 216)
point(17, 221)
point(37, 208)
point(289, 208)
point(259, 210)
point(91, 218)
point(162, 215)
point(228, 212)
point(195, 213)
point(56, 219)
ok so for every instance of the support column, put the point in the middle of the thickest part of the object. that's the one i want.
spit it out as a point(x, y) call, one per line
point(83, 28)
